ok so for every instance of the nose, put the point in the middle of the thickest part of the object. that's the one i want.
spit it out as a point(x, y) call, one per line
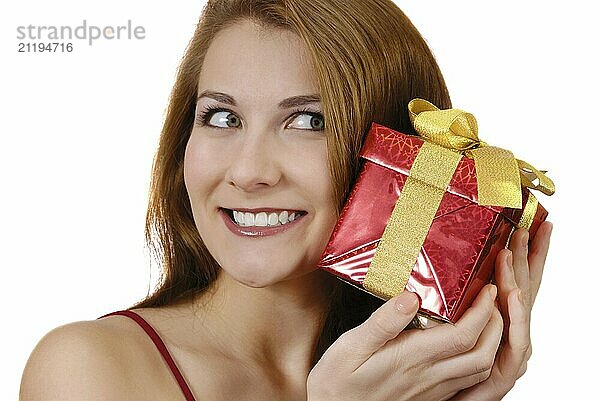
point(254, 162)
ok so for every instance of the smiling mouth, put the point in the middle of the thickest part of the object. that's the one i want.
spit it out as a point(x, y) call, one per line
point(266, 218)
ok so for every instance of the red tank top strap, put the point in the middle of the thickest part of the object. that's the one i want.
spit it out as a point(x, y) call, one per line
point(161, 348)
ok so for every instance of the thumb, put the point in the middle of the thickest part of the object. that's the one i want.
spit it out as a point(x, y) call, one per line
point(382, 326)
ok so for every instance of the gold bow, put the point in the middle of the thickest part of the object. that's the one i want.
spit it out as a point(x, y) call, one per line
point(448, 134)
point(499, 174)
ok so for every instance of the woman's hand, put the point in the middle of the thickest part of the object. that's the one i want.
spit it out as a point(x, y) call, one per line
point(518, 276)
point(378, 361)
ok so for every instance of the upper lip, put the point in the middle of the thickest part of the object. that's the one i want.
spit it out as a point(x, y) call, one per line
point(263, 209)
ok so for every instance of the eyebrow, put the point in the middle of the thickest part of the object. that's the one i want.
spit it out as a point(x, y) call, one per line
point(290, 102)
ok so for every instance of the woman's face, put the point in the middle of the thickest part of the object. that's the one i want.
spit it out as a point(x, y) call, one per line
point(255, 166)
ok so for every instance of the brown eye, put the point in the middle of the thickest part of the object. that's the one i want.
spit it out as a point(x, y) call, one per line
point(309, 121)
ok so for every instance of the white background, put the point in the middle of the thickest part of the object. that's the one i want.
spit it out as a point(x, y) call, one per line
point(78, 132)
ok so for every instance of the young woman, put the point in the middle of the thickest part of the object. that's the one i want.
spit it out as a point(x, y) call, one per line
point(258, 152)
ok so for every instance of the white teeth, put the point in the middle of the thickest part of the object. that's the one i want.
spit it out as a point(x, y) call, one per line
point(248, 219)
point(283, 217)
point(263, 219)
point(273, 219)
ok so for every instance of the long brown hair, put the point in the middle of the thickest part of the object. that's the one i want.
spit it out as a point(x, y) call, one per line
point(370, 61)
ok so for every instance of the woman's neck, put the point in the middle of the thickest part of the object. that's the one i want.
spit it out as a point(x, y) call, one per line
point(276, 327)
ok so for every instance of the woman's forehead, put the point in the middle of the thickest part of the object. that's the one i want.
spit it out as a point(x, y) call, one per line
point(246, 57)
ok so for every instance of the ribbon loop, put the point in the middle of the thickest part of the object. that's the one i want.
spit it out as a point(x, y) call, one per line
point(530, 174)
point(499, 174)
point(452, 128)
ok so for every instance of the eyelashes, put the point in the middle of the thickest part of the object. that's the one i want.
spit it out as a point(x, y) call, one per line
point(204, 116)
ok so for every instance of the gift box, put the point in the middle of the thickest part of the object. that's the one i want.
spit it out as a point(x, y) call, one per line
point(406, 226)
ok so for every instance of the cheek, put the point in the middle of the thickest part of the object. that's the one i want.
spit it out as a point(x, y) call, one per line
point(318, 177)
point(201, 169)
point(318, 183)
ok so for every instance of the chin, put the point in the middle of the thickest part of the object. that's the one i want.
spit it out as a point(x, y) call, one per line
point(254, 280)
point(252, 275)
point(261, 276)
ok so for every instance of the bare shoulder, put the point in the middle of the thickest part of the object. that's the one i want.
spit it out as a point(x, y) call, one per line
point(86, 360)
point(78, 361)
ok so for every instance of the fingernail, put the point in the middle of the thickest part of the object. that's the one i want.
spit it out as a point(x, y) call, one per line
point(406, 303)
point(509, 259)
point(493, 291)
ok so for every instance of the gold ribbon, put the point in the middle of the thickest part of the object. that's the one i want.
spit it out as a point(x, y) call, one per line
point(411, 218)
point(499, 174)
point(448, 135)
point(528, 212)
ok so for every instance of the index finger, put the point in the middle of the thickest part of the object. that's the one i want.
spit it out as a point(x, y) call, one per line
point(356, 346)
point(449, 340)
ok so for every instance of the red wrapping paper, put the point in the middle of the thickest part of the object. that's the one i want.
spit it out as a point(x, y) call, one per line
point(458, 256)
